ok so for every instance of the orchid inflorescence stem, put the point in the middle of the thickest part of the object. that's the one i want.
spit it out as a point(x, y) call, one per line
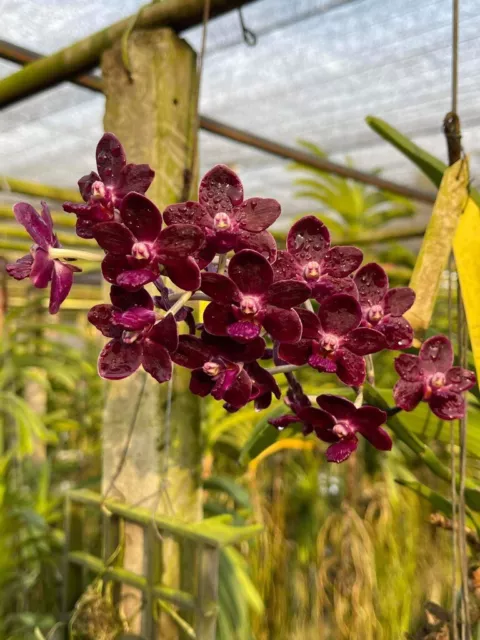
point(75, 254)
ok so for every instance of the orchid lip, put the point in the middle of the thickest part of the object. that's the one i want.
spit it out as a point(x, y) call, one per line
point(342, 429)
point(211, 369)
point(329, 343)
point(249, 306)
point(141, 251)
point(221, 221)
point(311, 270)
point(98, 190)
point(437, 380)
point(375, 314)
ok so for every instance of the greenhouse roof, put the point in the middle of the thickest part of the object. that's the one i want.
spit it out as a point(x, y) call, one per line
point(318, 68)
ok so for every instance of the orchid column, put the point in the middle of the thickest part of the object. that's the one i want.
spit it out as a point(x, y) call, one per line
point(152, 109)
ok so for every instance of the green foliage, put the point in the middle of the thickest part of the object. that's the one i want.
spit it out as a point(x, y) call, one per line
point(347, 207)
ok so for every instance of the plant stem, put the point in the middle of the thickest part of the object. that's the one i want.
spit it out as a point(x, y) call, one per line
point(222, 263)
point(75, 254)
point(285, 368)
point(185, 297)
point(196, 296)
point(309, 306)
point(370, 370)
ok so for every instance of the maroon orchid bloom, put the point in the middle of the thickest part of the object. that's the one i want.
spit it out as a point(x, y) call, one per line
point(104, 191)
point(263, 387)
point(38, 264)
point(383, 308)
point(431, 377)
point(333, 341)
point(310, 258)
point(136, 246)
point(218, 367)
point(338, 421)
point(228, 221)
point(137, 339)
point(248, 300)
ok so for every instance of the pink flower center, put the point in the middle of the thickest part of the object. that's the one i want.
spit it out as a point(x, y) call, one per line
point(311, 270)
point(329, 343)
point(141, 251)
point(212, 369)
point(129, 337)
point(437, 380)
point(375, 314)
point(342, 429)
point(221, 221)
point(249, 306)
point(98, 190)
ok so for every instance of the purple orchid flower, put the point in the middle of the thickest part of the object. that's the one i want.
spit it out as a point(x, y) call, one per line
point(228, 221)
point(338, 421)
point(38, 265)
point(431, 377)
point(333, 341)
point(383, 308)
point(136, 338)
point(104, 191)
point(310, 258)
point(248, 300)
point(218, 367)
point(264, 386)
point(136, 246)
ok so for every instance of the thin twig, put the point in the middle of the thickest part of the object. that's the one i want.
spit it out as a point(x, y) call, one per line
point(285, 368)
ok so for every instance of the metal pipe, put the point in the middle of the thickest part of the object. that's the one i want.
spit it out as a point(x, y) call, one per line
point(23, 56)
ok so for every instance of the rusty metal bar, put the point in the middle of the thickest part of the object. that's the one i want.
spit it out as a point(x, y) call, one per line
point(23, 56)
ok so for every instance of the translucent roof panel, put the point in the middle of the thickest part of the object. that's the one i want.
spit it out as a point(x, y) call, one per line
point(318, 68)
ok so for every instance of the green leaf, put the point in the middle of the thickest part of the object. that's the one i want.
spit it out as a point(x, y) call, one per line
point(262, 436)
point(228, 485)
point(431, 166)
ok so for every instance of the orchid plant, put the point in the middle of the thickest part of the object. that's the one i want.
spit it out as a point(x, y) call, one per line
point(260, 301)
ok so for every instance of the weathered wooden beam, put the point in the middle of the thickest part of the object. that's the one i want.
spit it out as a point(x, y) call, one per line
point(85, 54)
point(154, 115)
point(10, 52)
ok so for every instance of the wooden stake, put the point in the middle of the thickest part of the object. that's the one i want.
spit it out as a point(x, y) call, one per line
point(154, 116)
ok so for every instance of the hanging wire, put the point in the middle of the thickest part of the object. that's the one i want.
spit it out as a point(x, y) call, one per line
point(249, 37)
point(455, 22)
point(453, 471)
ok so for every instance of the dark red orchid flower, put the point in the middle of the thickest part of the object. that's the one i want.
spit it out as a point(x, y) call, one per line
point(228, 221)
point(137, 339)
point(136, 246)
point(104, 191)
point(218, 367)
point(338, 421)
point(333, 341)
point(383, 308)
point(38, 265)
point(310, 258)
point(248, 300)
point(264, 386)
point(431, 377)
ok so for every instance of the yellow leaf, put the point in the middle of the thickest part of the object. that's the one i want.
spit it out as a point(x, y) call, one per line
point(286, 443)
point(466, 247)
point(437, 244)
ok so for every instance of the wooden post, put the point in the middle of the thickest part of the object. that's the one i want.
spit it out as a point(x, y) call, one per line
point(154, 116)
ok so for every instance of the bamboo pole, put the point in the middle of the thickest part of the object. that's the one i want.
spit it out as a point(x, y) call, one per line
point(45, 191)
point(85, 54)
point(23, 56)
point(155, 118)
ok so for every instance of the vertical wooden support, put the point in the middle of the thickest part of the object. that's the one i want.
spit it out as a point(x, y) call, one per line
point(154, 115)
point(206, 617)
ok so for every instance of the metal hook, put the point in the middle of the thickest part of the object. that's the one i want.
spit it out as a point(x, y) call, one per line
point(249, 37)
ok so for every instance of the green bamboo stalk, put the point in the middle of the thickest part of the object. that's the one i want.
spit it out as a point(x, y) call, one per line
point(428, 457)
point(59, 218)
point(379, 237)
point(45, 191)
point(94, 564)
point(85, 54)
point(70, 240)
